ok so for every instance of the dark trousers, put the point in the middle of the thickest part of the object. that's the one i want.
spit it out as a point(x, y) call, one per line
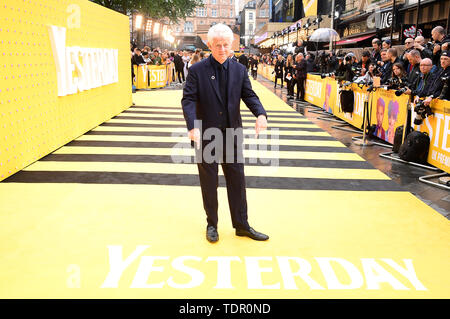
point(180, 75)
point(290, 86)
point(235, 181)
point(276, 80)
point(301, 88)
point(254, 74)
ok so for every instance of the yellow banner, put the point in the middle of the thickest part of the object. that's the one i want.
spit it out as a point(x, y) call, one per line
point(152, 76)
point(438, 128)
point(310, 7)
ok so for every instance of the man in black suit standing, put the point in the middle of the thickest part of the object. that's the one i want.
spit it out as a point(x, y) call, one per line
point(179, 66)
point(211, 96)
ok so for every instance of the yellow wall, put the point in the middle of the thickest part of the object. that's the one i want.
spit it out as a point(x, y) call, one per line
point(34, 121)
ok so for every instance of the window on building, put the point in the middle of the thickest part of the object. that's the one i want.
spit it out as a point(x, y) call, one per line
point(250, 16)
point(231, 13)
point(213, 1)
point(201, 12)
point(188, 26)
point(201, 21)
point(250, 27)
point(213, 12)
point(262, 13)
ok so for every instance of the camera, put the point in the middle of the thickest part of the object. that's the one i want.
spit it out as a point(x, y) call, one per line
point(400, 91)
point(422, 111)
point(444, 93)
point(395, 84)
point(430, 45)
point(324, 75)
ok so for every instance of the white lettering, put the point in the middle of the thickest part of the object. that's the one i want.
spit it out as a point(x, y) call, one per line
point(333, 282)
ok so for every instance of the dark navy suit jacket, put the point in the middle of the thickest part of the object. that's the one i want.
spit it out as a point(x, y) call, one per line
point(201, 95)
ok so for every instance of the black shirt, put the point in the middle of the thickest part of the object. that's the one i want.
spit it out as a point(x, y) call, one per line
point(222, 80)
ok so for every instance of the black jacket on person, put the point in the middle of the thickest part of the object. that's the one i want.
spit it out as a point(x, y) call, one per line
point(414, 77)
point(437, 85)
point(279, 66)
point(310, 65)
point(425, 82)
point(300, 69)
point(387, 73)
point(375, 56)
point(404, 60)
point(243, 60)
point(344, 72)
point(178, 61)
point(253, 63)
point(138, 59)
point(287, 70)
point(437, 56)
point(426, 53)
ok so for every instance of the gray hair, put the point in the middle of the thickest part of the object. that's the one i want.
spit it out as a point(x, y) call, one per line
point(439, 29)
point(415, 53)
point(220, 30)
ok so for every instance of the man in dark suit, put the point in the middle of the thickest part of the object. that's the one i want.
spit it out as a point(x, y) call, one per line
point(243, 60)
point(179, 66)
point(300, 76)
point(212, 94)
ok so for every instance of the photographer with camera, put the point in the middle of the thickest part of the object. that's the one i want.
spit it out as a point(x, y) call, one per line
point(398, 78)
point(439, 37)
point(425, 80)
point(344, 72)
point(414, 75)
point(439, 87)
point(419, 44)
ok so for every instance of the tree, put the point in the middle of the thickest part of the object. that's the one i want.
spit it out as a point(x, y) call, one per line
point(174, 10)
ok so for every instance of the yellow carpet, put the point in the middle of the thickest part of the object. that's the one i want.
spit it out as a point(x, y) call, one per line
point(110, 212)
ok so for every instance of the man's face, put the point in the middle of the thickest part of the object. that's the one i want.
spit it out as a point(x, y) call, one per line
point(425, 66)
point(220, 48)
point(418, 41)
point(375, 45)
point(380, 114)
point(384, 56)
point(364, 59)
point(409, 43)
point(435, 35)
point(389, 55)
point(445, 61)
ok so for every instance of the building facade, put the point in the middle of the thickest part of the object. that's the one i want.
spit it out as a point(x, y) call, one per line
point(188, 32)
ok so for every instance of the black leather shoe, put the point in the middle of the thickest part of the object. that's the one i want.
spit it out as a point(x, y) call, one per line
point(251, 233)
point(211, 234)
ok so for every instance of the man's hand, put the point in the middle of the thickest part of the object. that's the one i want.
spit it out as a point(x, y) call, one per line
point(427, 101)
point(261, 124)
point(436, 48)
point(418, 46)
point(408, 91)
point(194, 135)
point(416, 99)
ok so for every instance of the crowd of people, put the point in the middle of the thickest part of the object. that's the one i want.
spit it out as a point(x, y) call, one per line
point(421, 70)
point(183, 60)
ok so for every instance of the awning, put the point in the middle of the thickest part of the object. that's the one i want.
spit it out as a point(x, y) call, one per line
point(354, 40)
